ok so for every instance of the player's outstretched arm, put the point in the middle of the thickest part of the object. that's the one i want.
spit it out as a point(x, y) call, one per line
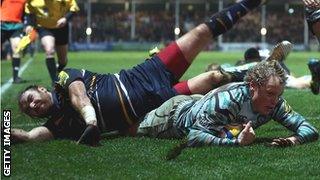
point(285, 142)
point(199, 137)
point(303, 131)
point(81, 102)
point(40, 133)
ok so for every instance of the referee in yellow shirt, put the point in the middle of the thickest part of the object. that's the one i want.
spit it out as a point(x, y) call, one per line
point(50, 18)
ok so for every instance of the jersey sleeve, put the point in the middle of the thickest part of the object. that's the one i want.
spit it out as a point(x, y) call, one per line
point(199, 136)
point(295, 122)
point(52, 128)
point(68, 127)
point(67, 76)
point(27, 8)
point(74, 6)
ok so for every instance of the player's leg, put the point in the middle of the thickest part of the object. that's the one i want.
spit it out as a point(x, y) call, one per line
point(62, 51)
point(207, 81)
point(203, 83)
point(62, 36)
point(237, 73)
point(280, 51)
point(14, 41)
point(180, 54)
point(314, 66)
point(48, 43)
point(162, 122)
point(5, 35)
point(298, 83)
point(313, 19)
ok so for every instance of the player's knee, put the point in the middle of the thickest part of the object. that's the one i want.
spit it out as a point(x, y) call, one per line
point(202, 31)
point(15, 55)
point(215, 77)
point(49, 51)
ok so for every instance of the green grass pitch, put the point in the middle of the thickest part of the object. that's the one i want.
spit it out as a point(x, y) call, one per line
point(144, 158)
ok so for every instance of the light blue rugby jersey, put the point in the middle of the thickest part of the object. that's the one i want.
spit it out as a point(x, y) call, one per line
point(231, 104)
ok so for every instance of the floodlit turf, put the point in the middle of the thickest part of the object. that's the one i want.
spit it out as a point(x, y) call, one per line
point(144, 158)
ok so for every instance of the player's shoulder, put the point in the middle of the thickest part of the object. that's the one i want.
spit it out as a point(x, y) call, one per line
point(234, 88)
point(236, 91)
point(282, 107)
point(68, 75)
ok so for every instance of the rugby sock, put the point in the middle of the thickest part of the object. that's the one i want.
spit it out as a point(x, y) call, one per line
point(16, 67)
point(182, 88)
point(61, 67)
point(222, 21)
point(174, 60)
point(51, 65)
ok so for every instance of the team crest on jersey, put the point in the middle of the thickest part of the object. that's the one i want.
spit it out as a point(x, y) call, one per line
point(63, 77)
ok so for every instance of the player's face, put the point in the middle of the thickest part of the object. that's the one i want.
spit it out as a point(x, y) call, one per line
point(266, 97)
point(36, 103)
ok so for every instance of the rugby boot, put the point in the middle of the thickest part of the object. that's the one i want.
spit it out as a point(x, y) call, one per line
point(314, 67)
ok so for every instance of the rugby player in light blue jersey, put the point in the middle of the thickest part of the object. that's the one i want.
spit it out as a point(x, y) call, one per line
point(246, 105)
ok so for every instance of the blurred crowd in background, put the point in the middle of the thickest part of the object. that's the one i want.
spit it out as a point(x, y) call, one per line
point(110, 23)
point(155, 23)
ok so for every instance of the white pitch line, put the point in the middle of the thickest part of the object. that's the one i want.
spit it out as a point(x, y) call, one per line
point(8, 84)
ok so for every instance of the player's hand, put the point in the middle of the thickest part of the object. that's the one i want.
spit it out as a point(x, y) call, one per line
point(312, 3)
point(28, 29)
point(90, 136)
point(14, 137)
point(283, 142)
point(247, 135)
point(61, 22)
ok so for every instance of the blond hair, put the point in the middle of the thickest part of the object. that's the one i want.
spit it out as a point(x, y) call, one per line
point(261, 72)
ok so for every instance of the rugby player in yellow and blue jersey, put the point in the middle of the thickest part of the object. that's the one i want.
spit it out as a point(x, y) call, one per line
point(84, 103)
point(50, 19)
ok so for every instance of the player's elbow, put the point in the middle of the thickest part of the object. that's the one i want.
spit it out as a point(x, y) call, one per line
point(315, 135)
point(30, 137)
point(312, 136)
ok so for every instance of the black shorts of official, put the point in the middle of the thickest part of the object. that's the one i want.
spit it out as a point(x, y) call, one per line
point(7, 34)
point(61, 35)
point(312, 16)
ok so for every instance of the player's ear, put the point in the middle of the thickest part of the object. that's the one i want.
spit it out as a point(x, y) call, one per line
point(251, 86)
